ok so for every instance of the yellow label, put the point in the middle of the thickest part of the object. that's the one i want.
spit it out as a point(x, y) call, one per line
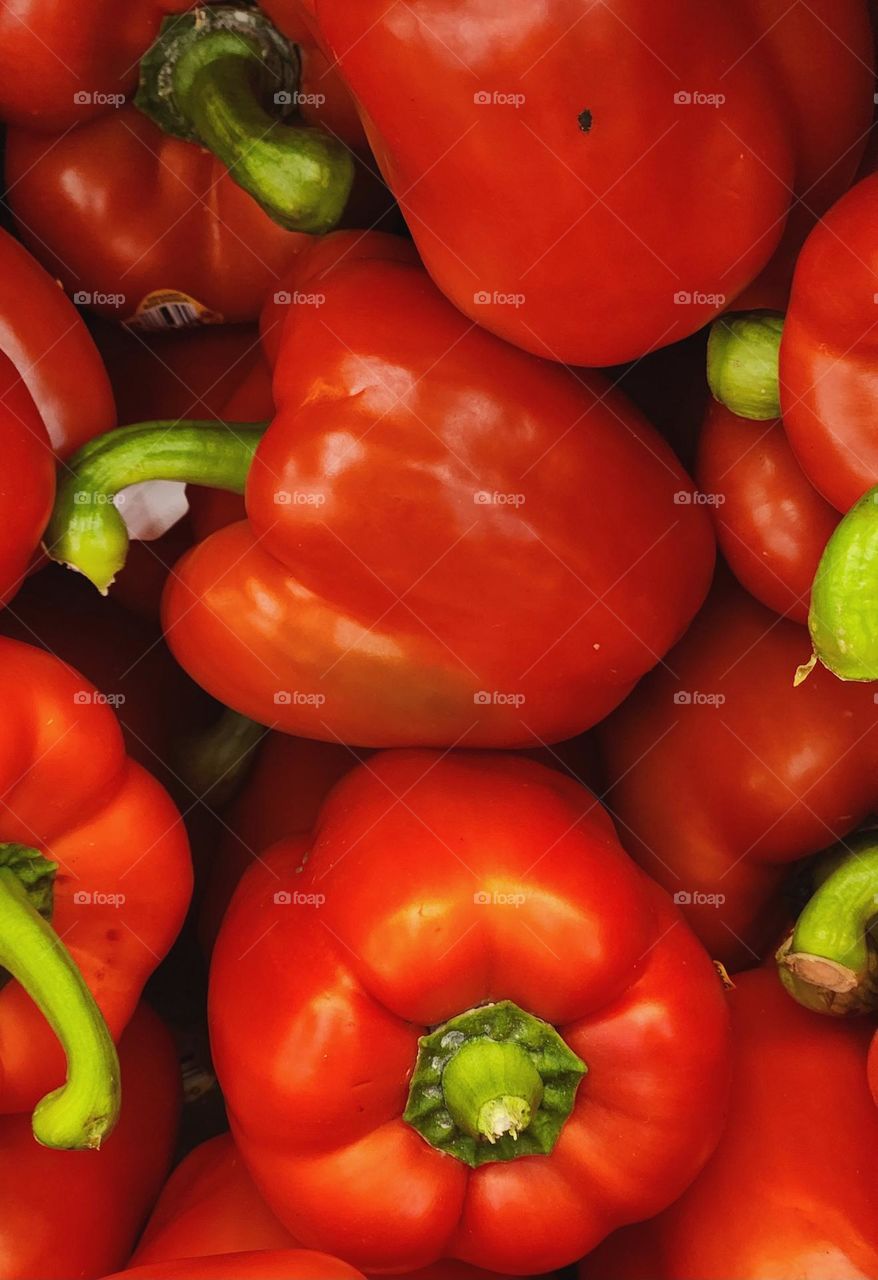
point(170, 309)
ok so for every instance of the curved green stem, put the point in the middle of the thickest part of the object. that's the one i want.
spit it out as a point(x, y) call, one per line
point(215, 762)
point(224, 77)
point(493, 1084)
point(742, 363)
point(84, 1110)
point(87, 533)
point(843, 618)
point(830, 962)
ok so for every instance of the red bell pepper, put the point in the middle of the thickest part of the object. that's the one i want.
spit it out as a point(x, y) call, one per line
point(721, 773)
point(424, 494)
point(77, 1213)
point(817, 369)
point(210, 1205)
point(54, 393)
point(284, 791)
point(569, 132)
point(286, 1264)
point(122, 656)
point(445, 987)
point(94, 883)
point(789, 1192)
point(771, 524)
point(188, 206)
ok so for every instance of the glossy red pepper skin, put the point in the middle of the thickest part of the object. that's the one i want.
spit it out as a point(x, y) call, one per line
point(464, 822)
point(269, 1265)
point(135, 212)
point(577, 241)
point(70, 791)
point(59, 66)
point(121, 655)
point(78, 1212)
point(828, 388)
point(771, 523)
point(209, 1205)
point(802, 1166)
point(285, 788)
point(719, 798)
point(50, 349)
point(54, 395)
point(534, 499)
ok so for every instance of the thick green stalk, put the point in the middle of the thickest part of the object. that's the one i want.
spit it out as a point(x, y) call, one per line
point(84, 1110)
point(224, 77)
point(86, 531)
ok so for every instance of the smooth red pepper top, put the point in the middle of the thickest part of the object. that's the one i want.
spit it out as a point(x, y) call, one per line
point(449, 540)
point(593, 183)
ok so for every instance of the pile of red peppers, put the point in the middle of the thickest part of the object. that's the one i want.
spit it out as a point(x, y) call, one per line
point(438, 812)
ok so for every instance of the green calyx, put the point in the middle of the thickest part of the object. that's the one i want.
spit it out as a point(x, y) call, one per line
point(86, 531)
point(224, 77)
point(843, 618)
point(742, 363)
point(493, 1084)
point(830, 961)
point(79, 1114)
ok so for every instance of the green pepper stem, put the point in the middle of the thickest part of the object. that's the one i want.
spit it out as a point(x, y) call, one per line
point(84, 1110)
point(224, 77)
point(830, 962)
point(742, 363)
point(492, 1089)
point(493, 1084)
point(843, 617)
point(86, 531)
point(215, 762)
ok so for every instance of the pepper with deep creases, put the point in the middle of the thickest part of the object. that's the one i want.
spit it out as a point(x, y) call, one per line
point(721, 773)
point(94, 883)
point(188, 204)
point(628, 168)
point(77, 1213)
point(788, 1193)
point(209, 1205)
point(424, 496)
point(445, 988)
